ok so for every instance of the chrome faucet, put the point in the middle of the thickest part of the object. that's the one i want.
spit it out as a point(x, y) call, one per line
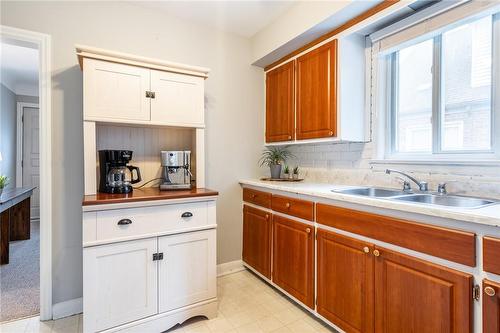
point(422, 185)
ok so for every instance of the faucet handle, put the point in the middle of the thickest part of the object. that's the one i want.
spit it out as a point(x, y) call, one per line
point(442, 188)
point(406, 184)
point(423, 186)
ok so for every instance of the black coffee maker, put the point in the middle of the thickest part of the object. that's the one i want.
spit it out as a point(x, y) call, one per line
point(115, 175)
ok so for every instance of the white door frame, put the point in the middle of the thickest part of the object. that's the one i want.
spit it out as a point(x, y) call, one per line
point(19, 139)
point(42, 42)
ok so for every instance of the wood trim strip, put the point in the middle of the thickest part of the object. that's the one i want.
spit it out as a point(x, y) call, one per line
point(454, 245)
point(367, 14)
point(491, 254)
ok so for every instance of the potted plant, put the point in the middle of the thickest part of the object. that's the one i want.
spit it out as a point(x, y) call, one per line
point(273, 157)
point(286, 172)
point(4, 181)
point(295, 174)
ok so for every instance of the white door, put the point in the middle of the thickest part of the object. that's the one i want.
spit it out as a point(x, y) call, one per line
point(120, 283)
point(187, 274)
point(115, 91)
point(31, 157)
point(179, 99)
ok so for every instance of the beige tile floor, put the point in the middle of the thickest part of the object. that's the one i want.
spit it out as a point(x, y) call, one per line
point(246, 305)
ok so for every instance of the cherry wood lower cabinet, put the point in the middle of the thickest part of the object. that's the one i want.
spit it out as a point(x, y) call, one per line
point(345, 281)
point(257, 239)
point(293, 258)
point(412, 295)
point(491, 307)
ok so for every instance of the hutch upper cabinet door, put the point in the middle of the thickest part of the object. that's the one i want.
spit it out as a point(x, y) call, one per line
point(317, 93)
point(345, 281)
point(120, 283)
point(491, 307)
point(114, 92)
point(280, 101)
point(412, 295)
point(257, 239)
point(178, 99)
point(293, 258)
point(187, 272)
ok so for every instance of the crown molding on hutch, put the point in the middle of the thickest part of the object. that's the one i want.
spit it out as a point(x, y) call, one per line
point(84, 51)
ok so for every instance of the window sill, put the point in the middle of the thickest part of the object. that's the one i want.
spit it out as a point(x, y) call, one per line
point(483, 163)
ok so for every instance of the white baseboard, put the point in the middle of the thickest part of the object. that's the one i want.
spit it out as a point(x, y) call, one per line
point(67, 308)
point(230, 267)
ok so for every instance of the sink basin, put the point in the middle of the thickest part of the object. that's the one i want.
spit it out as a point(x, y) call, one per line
point(446, 200)
point(372, 192)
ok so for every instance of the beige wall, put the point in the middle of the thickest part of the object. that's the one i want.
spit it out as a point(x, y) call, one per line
point(234, 103)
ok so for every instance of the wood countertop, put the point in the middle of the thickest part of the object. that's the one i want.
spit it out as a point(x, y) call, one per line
point(145, 194)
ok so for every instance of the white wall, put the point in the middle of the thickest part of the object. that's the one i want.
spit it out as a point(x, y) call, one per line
point(8, 134)
point(234, 101)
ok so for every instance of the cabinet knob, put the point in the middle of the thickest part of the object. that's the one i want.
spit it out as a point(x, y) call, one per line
point(308, 230)
point(124, 222)
point(267, 216)
point(366, 249)
point(376, 253)
point(254, 196)
point(187, 214)
point(287, 205)
point(489, 291)
point(289, 137)
point(331, 133)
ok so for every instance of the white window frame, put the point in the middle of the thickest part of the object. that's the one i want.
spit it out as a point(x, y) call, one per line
point(383, 86)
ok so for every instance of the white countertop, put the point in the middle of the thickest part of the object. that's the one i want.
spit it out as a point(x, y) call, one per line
point(489, 215)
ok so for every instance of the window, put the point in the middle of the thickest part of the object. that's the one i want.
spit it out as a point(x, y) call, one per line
point(440, 92)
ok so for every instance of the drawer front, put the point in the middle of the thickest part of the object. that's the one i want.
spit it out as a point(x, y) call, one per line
point(257, 197)
point(132, 222)
point(491, 255)
point(295, 207)
point(450, 244)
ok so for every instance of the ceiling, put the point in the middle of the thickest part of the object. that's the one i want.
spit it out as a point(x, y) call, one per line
point(244, 18)
point(19, 69)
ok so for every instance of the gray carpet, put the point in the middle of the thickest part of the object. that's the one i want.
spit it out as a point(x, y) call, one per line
point(20, 279)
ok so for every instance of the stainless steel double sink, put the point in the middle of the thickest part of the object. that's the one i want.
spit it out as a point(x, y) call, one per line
point(419, 198)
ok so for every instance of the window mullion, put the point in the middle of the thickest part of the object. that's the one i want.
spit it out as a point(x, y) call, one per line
point(437, 96)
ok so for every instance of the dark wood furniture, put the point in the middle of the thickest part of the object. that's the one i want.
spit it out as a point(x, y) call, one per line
point(280, 103)
point(145, 194)
point(257, 227)
point(491, 306)
point(14, 219)
point(454, 245)
point(293, 258)
point(491, 255)
point(345, 281)
point(317, 93)
point(296, 207)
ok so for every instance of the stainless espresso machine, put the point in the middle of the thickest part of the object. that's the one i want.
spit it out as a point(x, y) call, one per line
point(176, 170)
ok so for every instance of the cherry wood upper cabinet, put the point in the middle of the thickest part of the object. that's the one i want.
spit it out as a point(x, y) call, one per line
point(280, 108)
point(345, 281)
point(491, 307)
point(257, 239)
point(317, 93)
point(293, 258)
point(412, 295)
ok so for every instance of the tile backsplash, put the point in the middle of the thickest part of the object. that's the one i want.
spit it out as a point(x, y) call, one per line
point(349, 164)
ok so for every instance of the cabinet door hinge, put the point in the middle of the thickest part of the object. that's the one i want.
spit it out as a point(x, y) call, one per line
point(476, 292)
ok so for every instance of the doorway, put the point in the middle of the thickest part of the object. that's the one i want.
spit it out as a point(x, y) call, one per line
point(31, 143)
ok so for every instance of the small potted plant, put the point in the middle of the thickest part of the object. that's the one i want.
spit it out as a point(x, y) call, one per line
point(295, 174)
point(286, 172)
point(4, 181)
point(273, 157)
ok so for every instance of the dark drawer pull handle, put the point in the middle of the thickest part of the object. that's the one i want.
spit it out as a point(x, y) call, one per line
point(124, 222)
point(187, 214)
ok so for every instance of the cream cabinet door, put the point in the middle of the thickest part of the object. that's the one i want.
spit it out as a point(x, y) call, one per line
point(115, 91)
point(120, 283)
point(179, 99)
point(187, 274)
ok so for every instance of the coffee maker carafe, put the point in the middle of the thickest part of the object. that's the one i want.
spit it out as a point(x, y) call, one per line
point(115, 175)
point(176, 170)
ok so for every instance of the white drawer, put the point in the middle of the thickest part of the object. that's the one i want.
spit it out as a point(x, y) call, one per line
point(136, 222)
